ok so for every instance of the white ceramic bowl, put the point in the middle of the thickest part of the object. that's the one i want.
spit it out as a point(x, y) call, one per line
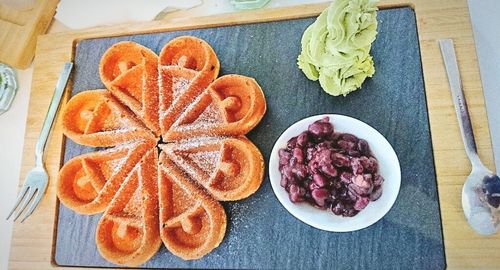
point(325, 219)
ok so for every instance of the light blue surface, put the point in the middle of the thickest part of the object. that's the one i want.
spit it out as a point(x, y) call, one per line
point(485, 24)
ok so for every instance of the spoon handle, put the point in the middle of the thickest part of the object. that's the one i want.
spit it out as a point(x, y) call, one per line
point(450, 62)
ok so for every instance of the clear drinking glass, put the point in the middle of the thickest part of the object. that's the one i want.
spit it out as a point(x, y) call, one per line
point(249, 4)
point(8, 87)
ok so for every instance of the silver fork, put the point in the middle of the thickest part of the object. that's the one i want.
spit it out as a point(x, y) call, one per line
point(37, 179)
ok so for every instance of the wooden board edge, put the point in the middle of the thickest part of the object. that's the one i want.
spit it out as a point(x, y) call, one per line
point(226, 19)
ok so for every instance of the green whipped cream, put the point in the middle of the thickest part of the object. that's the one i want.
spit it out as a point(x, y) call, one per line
point(336, 47)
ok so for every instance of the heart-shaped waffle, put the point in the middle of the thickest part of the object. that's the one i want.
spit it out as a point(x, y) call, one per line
point(232, 105)
point(187, 66)
point(229, 168)
point(129, 232)
point(192, 222)
point(204, 154)
point(95, 118)
point(130, 72)
point(87, 183)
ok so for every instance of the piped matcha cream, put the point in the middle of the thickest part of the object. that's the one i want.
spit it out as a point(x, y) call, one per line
point(336, 47)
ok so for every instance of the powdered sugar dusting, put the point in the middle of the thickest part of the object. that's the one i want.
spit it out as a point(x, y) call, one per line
point(211, 115)
point(135, 205)
point(121, 162)
point(198, 141)
point(189, 108)
point(182, 80)
point(189, 168)
point(179, 86)
point(209, 118)
point(203, 153)
point(207, 161)
point(116, 164)
point(244, 215)
point(119, 118)
point(182, 199)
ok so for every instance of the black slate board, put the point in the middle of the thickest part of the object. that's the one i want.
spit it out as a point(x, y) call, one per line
point(261, 233)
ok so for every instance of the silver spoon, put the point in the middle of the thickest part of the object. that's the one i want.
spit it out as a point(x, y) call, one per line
point(481, 191)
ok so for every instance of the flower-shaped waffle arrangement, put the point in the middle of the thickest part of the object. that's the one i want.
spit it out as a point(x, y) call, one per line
point(172, 104)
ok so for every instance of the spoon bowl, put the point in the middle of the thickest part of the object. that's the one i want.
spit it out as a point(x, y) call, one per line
point(475, 199)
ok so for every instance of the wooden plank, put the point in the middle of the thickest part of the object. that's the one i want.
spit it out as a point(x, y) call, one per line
point(19, 30)
point(32, 241)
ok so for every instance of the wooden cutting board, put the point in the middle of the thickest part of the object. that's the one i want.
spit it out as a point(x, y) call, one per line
point(443, 19)
point(20, 28)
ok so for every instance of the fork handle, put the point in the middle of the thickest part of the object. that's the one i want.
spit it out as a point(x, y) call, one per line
point(450, 62)
point(49, 118)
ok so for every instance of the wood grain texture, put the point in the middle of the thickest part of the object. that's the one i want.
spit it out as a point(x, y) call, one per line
point(32, 243)
point(19, 30)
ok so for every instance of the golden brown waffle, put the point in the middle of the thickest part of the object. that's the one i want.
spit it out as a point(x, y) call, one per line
point(231, 106)
point(187, 66)
point(95, 118)
point(87, 183)
point(192, 223)
point(229, 168)
point(205, 156)
point(130, 72)
point(129, 232)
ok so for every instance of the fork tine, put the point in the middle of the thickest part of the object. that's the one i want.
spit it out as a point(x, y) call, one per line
point(25, 203)
point(34, 203)
point(18, 200)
